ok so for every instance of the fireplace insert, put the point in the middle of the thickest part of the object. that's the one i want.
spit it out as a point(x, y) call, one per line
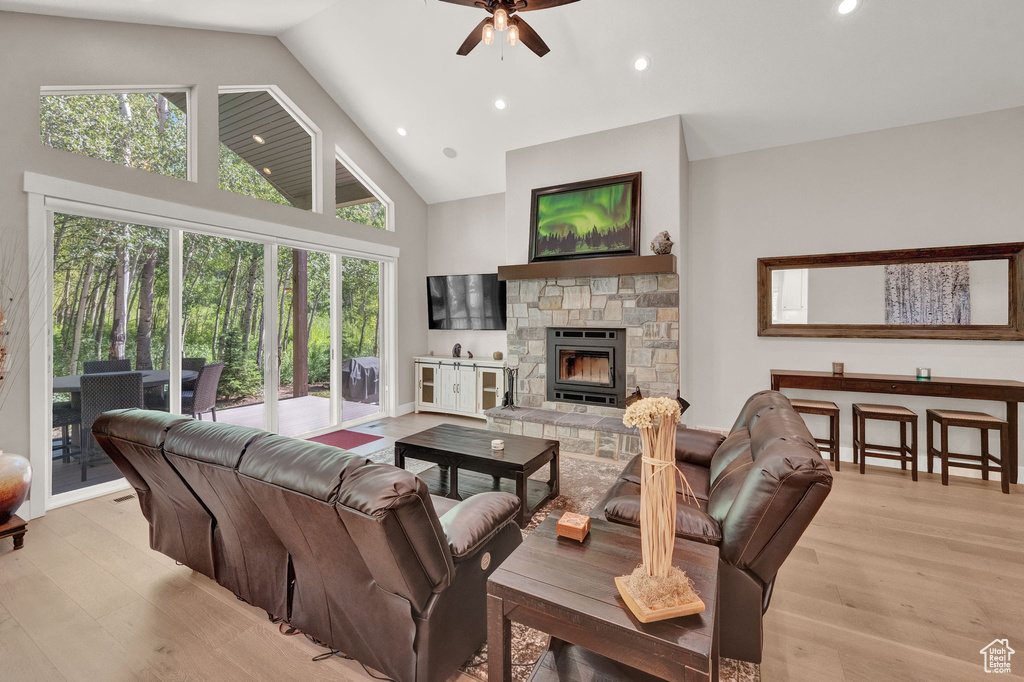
point(586, 366)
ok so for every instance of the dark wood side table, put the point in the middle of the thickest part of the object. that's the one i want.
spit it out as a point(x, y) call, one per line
point(461, 449)
point(16, 528)
point(961, 388)
point(567, 589)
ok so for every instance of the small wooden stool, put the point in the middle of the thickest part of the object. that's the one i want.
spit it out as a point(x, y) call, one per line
point(828, 409)
point(891, 413)
point(969, 420)
point(16, 528)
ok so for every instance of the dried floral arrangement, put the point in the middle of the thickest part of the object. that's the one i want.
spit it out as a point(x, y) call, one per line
point(657, 589)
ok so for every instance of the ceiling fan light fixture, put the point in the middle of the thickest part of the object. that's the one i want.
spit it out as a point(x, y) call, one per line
point(513, 35)
point(500, 19)
point(488, 37)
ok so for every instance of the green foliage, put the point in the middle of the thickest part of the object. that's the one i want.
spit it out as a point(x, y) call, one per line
point(360, 308)
point(140, 130)
point(371, 214)
point(241, 377)
point(238, 176)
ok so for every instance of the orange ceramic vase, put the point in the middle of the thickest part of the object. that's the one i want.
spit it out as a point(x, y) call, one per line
point(15, 479)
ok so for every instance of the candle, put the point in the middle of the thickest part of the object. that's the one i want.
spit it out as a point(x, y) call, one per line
point(497, 444)
point(924, 373)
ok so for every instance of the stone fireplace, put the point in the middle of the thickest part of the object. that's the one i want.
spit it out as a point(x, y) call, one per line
point(643, 312)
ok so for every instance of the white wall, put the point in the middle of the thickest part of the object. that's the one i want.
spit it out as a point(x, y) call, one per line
point(466, 237)
point(37, 51)
point(947, 183)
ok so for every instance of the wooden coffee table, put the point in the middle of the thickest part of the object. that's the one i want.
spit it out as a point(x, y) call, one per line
point(470, 466)
point(567, 589)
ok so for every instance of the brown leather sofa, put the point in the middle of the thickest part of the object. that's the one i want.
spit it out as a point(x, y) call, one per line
point(756, 491)
point(355, 554)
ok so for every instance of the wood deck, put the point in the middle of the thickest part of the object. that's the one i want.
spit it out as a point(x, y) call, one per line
point(295, 416)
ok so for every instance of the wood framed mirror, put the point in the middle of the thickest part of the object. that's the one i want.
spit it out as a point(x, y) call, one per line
point(957, 293)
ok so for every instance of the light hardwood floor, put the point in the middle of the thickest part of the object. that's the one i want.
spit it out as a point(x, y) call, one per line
point(893, 580)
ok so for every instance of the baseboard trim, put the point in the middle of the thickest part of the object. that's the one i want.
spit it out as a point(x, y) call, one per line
point(407, 408)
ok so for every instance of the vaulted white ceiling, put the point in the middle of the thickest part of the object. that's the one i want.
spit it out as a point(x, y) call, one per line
point(744, 74)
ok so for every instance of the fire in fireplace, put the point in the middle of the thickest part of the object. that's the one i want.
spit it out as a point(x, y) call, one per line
point(586, 366)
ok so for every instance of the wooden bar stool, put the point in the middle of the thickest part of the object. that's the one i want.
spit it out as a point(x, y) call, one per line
point(891, 413)
point(969, 420)
point(828, 409)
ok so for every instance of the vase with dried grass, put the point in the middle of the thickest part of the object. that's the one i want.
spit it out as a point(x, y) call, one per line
point(657, 589)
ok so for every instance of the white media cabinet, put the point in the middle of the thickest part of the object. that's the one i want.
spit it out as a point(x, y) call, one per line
point(465, 386)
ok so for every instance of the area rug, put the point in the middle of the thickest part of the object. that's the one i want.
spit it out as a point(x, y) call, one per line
point(345, 439)
point(583, 482)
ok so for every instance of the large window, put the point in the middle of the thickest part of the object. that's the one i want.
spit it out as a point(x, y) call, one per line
point(354, 200)
point(266, 152)
point(110, 316)
point(146, 130)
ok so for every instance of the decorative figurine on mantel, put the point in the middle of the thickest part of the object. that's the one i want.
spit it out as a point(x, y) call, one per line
point(457, 350)
point(662, 244)
point(469, 354)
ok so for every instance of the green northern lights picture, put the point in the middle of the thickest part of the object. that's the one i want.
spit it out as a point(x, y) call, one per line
point(592, 218)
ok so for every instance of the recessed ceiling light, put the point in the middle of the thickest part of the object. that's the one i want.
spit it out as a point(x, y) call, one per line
point(403, 132)
point(642, 63)
point(847, 6)
point(267, 171)
point(258, 139)
point(500, 104)
point(449, 152)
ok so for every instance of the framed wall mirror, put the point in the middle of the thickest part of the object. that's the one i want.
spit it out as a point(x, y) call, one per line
point(960, 292)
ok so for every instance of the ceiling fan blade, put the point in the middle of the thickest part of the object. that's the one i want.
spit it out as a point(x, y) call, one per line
point(467, 3)
point(530, 38)
point(473, 39)
point(538, 4)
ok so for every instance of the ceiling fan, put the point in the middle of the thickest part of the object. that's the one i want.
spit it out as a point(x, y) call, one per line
point(503, 19)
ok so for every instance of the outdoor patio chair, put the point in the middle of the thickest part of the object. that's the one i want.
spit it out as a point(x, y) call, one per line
point(191, 365)
point(204, 398)
point(64, 417)
point(102, 393)
point(100, 366)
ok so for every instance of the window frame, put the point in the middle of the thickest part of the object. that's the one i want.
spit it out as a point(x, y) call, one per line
point(304, 121)
point(191, 130)
point(375, 190)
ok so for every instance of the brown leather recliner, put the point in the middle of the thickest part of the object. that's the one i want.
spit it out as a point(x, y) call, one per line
point(356, 550)
point(756, 492)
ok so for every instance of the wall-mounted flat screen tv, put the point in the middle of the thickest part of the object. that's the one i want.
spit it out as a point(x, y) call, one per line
point(466, 302)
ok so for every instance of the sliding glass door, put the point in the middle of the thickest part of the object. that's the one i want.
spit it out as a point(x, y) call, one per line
point(263, 335)
point(222, 329)
point(306, 403)
point(111, 340)
point(361, 339)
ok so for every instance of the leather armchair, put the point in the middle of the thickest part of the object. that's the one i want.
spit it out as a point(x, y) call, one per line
point(756, 492)
point(351, 552)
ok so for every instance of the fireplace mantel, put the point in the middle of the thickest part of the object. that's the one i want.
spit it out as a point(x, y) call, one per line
point(591, 267)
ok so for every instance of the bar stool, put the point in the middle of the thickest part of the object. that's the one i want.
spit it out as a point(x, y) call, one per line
point(970, 420)
point(891, 413)
point(828, 409)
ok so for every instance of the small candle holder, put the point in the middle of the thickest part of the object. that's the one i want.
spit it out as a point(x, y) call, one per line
point(497, 444)
point(838, 367)
point(924, 373)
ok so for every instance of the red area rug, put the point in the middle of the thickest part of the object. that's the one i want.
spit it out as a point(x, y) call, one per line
point(346, 440)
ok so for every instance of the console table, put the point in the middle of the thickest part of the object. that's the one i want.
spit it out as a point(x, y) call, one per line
point(958, 388)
